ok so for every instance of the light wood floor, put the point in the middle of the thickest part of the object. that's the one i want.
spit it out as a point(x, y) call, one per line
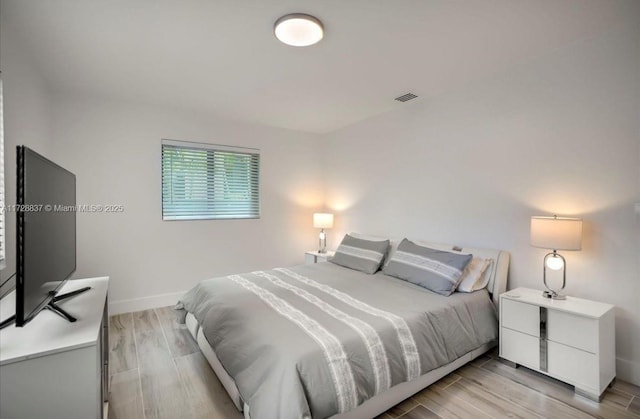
point(157, 371)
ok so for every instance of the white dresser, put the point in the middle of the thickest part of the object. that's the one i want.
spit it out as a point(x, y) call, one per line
point(572, 340)
point(52, 368)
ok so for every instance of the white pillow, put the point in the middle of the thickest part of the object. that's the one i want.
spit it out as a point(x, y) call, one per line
point(475, 276)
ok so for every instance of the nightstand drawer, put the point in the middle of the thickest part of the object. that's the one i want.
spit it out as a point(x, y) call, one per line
point(521, 317)
point(577, 367)
point(520, 348)
point(576, 331)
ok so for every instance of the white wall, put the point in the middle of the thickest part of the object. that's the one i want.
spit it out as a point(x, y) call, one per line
point(114, 150)
point(26, 121)
point(560, 135)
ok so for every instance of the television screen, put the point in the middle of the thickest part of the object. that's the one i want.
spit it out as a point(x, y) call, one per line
point(46, 232)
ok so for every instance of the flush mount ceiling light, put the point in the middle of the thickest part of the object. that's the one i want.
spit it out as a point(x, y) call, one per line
point(298, 30)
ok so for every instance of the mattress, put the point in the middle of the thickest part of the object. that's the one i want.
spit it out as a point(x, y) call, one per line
point(320, 340)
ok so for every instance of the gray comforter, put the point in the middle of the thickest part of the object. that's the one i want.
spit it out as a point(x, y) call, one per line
point(317, 340)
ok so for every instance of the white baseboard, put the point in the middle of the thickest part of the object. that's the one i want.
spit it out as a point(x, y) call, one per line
point(628, 371)
point(144, 303)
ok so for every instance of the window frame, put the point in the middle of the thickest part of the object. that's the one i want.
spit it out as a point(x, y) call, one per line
point(211, 149)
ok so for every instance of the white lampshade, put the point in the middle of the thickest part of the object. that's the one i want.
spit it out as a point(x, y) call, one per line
point(322, 220)
point(298, 30)
point(556, 233)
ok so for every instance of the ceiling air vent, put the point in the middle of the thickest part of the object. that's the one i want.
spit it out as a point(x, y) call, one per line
point(406, 97)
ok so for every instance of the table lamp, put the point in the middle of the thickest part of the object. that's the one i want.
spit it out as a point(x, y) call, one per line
point(556, 233)
point(322, 220)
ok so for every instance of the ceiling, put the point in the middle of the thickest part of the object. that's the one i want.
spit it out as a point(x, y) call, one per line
point(220, 56)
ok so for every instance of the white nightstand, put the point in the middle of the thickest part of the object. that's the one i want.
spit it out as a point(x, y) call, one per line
point(313, 256)
point(572, 340)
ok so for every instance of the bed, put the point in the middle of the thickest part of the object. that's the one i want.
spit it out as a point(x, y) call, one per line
point(325, 341)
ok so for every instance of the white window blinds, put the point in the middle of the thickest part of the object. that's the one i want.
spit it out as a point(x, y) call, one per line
point(2, 203)
point(206, 181)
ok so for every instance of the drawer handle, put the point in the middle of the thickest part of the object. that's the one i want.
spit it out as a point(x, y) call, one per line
point(543, 339)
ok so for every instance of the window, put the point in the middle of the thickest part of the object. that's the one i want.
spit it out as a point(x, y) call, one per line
point(206, 181)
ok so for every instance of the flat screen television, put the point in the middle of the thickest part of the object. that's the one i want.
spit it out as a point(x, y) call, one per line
point(45, 235)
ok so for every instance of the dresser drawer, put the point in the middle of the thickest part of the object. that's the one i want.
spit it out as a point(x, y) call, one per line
point(572, 365)
point(520, 348)
point(521, 317)
point(572, 330)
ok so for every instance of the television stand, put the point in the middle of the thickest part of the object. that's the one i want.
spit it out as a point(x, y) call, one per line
point(52, 306)
point(58, 310)
point(8, 321)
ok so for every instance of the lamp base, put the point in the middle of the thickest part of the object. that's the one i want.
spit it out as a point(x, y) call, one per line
point(559, 263)
point(553, 295)
point(322, 240)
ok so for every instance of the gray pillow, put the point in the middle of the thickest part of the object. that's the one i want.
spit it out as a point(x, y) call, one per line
point(360, 254)
point(435, 270)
